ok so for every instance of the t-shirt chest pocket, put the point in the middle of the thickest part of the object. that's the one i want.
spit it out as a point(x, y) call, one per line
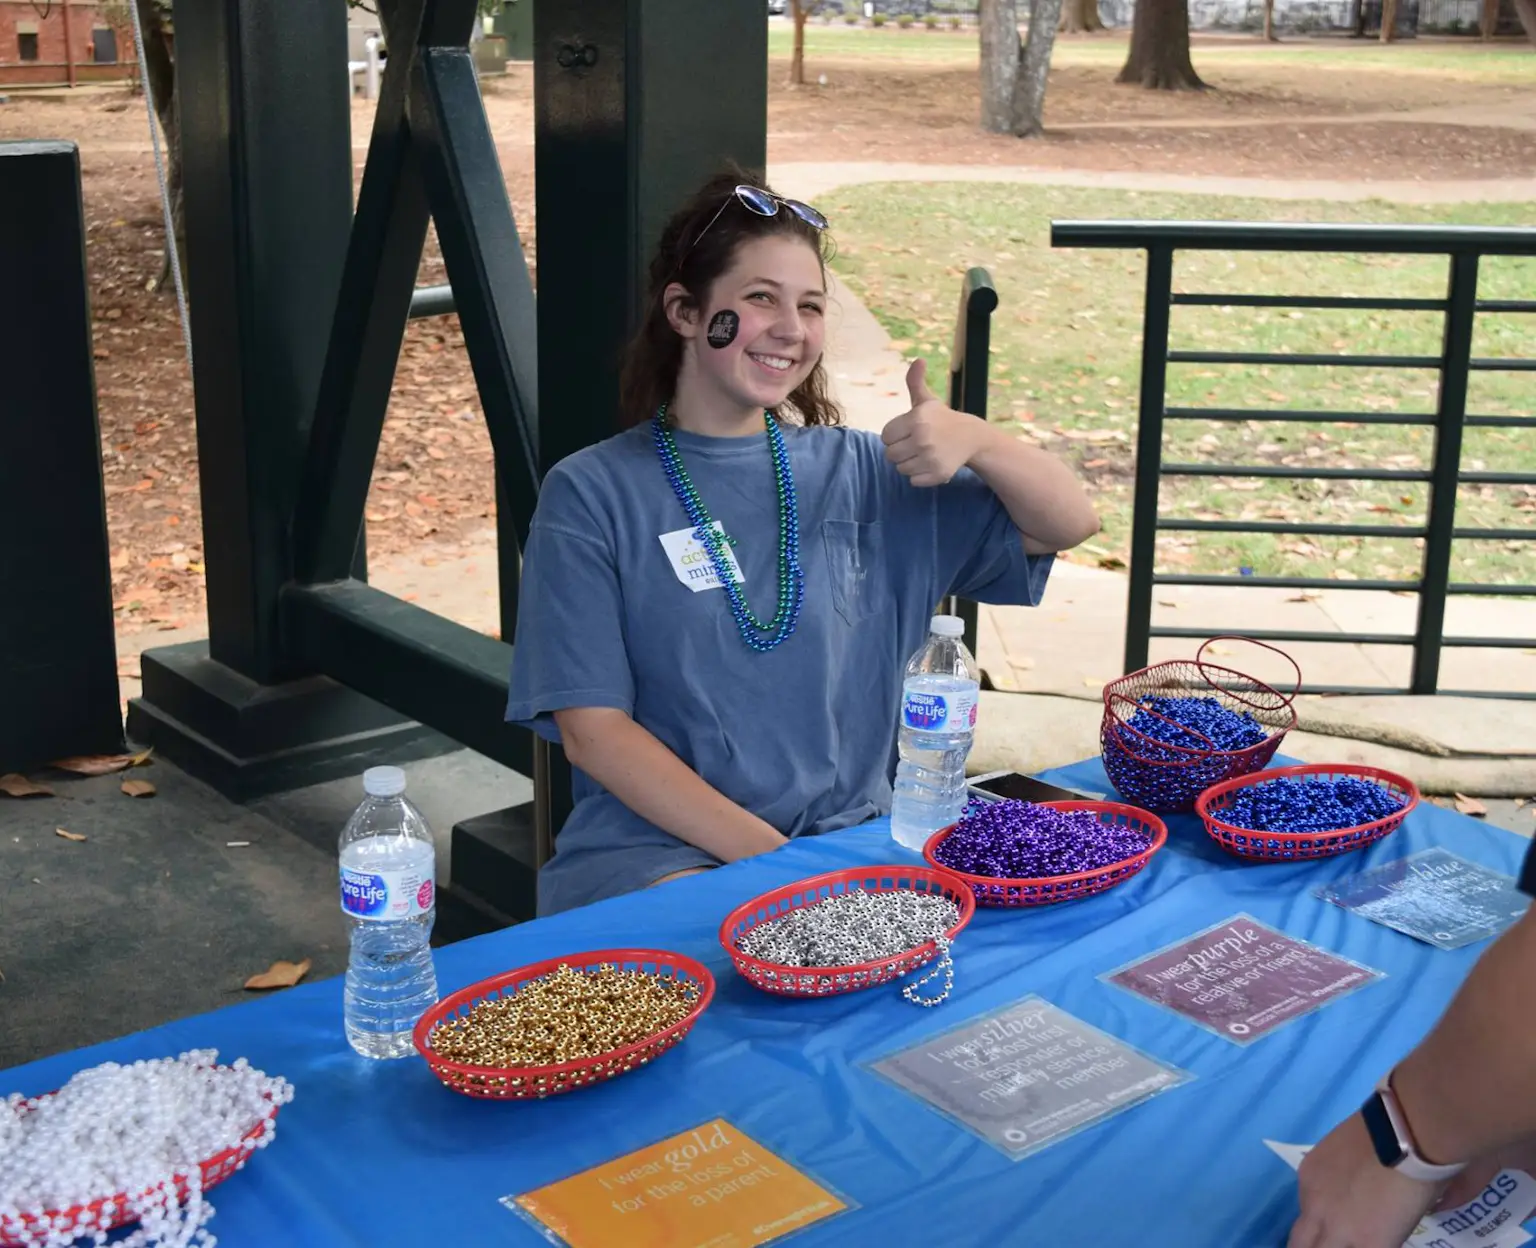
point(856, 567)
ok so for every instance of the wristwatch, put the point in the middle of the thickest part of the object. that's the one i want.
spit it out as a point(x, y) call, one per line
point(1388, 1128)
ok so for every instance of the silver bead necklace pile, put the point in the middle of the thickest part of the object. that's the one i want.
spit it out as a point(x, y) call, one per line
point(129, 1130)
point(859, 926)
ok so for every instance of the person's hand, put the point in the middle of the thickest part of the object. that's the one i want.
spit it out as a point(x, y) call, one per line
point(1474, 1180)
point(931, 442)
point(1350, 1200)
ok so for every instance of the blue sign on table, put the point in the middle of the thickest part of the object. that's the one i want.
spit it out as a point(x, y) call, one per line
point(1433, 896)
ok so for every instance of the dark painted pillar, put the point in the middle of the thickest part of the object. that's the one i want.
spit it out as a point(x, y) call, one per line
point(267, 164)
point(636, 103)
point(267, 167)
point(58, 657)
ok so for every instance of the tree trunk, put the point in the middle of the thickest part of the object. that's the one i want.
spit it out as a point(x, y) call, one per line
point(1159, 58)
point(1034, 68)
point(999, 64)
point(160, 77)
point(1488, 22)
point(1080, 17)
point(1357, 19)
point(1388, 20)
point(1269, 21)
point(799, 11)
point(1526, 11)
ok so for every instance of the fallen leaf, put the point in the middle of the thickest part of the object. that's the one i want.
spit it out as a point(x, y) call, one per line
point(1470, 805)
point(138, 788)
point(1112, 563)
point(1166, 602)
point(15, 785)
point(102, 764)
point(280, 975)
point(68, 836)
point(1306, 595)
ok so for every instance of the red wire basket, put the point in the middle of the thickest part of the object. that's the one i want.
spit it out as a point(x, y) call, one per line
point(1168, 778)
point(1047, 891)
point(826, 981)
point(521, 1083)
point(83, 1219)
point(1261, 846)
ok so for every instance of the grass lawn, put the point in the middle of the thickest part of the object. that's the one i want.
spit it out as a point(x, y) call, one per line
point(1513, 63)
point(1067, 354)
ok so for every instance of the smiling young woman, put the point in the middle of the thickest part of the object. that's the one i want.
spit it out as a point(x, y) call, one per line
point(717, 603)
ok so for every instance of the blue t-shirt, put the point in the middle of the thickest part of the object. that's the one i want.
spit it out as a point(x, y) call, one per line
point(802, 735)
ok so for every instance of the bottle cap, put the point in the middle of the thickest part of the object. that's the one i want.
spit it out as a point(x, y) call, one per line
point(383, 782)
point(947, 626)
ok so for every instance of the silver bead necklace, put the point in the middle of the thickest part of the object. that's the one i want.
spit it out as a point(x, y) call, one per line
point(860, 926)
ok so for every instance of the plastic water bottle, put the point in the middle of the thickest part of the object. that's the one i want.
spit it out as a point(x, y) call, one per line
point(938, 722)
point(388, 868)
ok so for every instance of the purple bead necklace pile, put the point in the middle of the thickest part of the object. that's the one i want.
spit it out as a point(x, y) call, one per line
point(1016, 840)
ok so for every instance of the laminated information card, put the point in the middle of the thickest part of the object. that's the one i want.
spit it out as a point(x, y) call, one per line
point(1028, 1076)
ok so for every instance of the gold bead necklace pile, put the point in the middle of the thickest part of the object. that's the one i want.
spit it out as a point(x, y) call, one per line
point(565, 1016)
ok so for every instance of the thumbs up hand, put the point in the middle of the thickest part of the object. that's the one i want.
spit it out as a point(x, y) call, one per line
point(931, 441)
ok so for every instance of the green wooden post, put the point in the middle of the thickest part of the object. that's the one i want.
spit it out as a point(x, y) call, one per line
point(267, 165)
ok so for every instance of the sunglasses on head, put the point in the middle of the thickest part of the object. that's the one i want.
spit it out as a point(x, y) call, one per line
point(764, 204)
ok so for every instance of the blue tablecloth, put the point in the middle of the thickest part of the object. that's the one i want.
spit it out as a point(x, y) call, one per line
point(376, 1153)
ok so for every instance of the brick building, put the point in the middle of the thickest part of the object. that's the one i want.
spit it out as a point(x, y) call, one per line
point(60, 43)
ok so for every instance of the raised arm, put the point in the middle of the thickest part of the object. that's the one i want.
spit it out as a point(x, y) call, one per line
point(931, 442)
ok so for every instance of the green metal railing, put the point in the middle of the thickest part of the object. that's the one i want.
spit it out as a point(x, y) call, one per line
point(1463, 247)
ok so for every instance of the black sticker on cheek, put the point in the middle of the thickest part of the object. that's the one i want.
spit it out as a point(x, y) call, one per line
point(722, 328)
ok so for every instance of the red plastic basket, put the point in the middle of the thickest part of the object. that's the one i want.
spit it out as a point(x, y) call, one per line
point(523, 1083)
point(83, 1219)
point(995, 891)
point(1263, 846)
point(826, 981)
point(1166, 778)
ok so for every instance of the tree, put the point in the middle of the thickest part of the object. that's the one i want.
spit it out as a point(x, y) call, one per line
point(1388, 20)
point(1080, 17)
point(1159, 58)
point(1269, 21)
point(1034, 69)
point(1014, 72)
point(800, 10)
point(1526, 11)
point(1489, 21)
point(159, 71)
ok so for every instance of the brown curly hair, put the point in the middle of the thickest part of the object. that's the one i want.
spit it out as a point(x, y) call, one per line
point(694, 253)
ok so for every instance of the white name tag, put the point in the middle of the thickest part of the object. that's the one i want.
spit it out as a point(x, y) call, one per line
point(690, 559)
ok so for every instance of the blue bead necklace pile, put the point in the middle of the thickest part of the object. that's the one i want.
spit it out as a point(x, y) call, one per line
point(1225, 728)
point(759, 636)
point(1291, 805)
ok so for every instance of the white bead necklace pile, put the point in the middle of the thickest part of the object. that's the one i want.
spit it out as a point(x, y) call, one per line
point(128, 1131)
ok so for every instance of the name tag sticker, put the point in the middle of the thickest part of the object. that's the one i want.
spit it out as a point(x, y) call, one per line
point(691, 562)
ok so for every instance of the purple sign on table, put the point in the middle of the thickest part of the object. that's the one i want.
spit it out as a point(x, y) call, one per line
point(1241, 978)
